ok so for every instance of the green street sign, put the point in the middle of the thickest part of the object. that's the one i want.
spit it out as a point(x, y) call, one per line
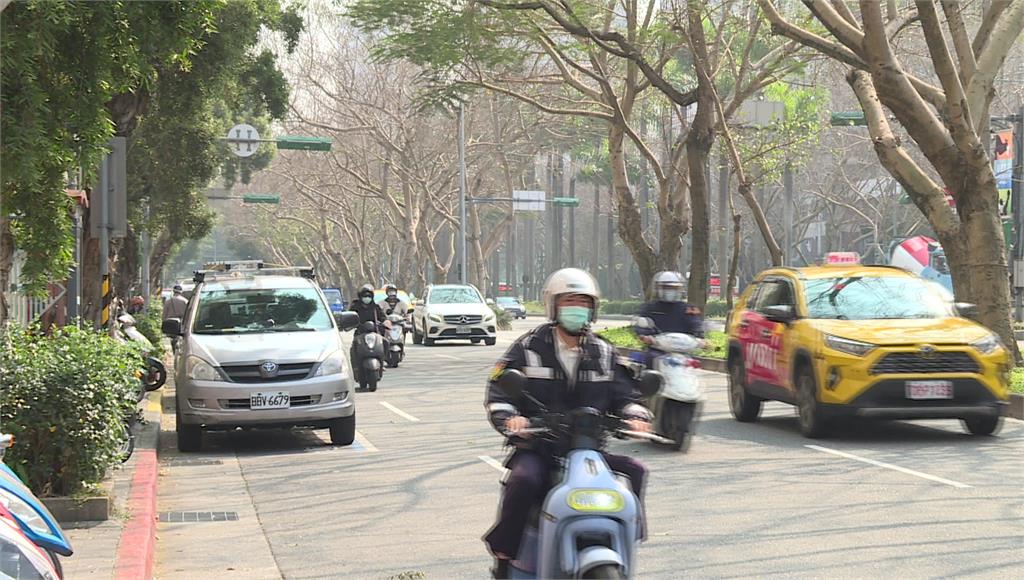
point(261, 198)
point(303, 143)
point(566, 201)
point(848, 119)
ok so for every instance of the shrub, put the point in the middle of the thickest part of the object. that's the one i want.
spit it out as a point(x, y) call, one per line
point(716, 309)
point(63, 397)
point(628, 307)
point(149, 325)
point(503, 320)
point(621, 336)
point(534, 307)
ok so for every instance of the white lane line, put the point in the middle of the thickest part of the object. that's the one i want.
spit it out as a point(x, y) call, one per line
point(447, 356)
point(399, 412)
point(927, 476)
point(492, 462)
point(365, 444)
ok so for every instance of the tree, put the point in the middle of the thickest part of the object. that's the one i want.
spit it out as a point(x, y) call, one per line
point(948, 121)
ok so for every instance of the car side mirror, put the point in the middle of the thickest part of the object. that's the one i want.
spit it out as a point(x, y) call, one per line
point(513, 382)
point(171, 327)
point(650, 383)
point(346, 320)
point(782, 313)
point(966, 309)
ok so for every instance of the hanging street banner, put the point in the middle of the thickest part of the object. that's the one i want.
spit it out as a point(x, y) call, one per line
point(1002, 166)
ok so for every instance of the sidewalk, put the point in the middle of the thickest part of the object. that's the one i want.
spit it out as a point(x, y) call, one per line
point(98, 545)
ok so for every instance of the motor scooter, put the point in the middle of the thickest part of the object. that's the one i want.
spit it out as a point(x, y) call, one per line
point(677, 405)
point(20, 559)
point(394, 340)
point(35, 521)
point(156, 371)
point(591, 524)
point(369, 350)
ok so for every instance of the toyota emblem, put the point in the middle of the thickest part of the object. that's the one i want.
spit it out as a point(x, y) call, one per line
point(269, 369)
point(927, 351)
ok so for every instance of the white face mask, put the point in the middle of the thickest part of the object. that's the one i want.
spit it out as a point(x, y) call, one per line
point(672, 295)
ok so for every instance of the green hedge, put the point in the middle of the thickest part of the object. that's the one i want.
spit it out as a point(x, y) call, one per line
point(63, 398)
point(716, 309)
point(623, 336)
point(628, 307)
point(149, 325)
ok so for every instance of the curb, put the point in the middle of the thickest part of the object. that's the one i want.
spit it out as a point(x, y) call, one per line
point(1016, 409)
point(136, 551)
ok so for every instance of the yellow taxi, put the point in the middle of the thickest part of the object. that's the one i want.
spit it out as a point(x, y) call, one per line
point(862, 341)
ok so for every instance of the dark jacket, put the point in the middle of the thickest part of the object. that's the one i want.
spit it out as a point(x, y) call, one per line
point(601, 382)
point(367, 312)
point(672, 317)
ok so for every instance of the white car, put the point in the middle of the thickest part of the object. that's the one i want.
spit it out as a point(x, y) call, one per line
point(454, 312)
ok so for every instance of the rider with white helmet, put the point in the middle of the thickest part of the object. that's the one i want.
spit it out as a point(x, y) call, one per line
point(567, 367)
point(669, 312)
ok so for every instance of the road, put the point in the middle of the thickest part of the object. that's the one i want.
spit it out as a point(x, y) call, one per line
point(413, 496)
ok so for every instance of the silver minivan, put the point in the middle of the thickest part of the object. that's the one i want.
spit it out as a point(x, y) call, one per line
point(261, 351)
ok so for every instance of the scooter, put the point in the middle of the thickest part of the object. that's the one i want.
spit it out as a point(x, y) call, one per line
point(369, 363)
point(21, 559)
point(156, 371)
point(591, 521)
point(394, 341)
point(677, 405)
point(36, 522)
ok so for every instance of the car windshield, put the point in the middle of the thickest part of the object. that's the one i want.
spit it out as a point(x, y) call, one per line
point(462, 295)
point(508, 301)
point(875, 297)
point(260, 310)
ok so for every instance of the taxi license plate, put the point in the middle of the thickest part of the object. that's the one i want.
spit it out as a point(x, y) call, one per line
point(919, 390)
point(464, 330)
point(272, 400)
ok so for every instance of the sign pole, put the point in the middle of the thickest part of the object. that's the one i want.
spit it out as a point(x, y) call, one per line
point(462, 195)
point(104, 241)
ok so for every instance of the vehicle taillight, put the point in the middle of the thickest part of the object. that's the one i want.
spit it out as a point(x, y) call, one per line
point(694, 363)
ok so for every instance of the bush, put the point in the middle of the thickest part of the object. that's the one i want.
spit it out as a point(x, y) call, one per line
point(716, 309)
point(534, 307)
point(628, 307)
point(64, 397)
point(149, 325)
point(623, 336)
point(502, 318)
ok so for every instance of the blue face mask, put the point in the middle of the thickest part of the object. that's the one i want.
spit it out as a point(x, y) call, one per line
point(573, 318)
point(367, 299)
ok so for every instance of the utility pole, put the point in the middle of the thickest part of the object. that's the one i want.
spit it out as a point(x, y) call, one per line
point(146, 249)
point(105, 241)
point(723, 226)
point(787, 216)
point(1017, 200)
point(572, 222)
point(462, 195)
point(510, 256)
point(611, 243)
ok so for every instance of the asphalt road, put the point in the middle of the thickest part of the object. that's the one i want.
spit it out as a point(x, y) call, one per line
point(413, 496)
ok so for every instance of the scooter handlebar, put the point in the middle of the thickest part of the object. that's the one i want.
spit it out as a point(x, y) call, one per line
point(646, 436)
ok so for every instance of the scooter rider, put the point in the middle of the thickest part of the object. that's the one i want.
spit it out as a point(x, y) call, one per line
point(393, 304)
point(568, 367)
point(669, 312)
point(368, 311)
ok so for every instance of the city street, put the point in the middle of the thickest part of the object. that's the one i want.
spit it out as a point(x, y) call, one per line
point(413, 496)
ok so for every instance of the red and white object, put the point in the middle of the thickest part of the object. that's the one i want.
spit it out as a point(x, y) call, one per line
point(842, 258)
point(22, 558)
point(913, 254)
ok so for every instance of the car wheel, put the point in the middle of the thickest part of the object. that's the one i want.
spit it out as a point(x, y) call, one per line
point(427, 341)
point(343, 430)
point(490, 341)
point(812, 420)
point(746, 408)
point(417, 338)
point(190, 437)
point(982, 426)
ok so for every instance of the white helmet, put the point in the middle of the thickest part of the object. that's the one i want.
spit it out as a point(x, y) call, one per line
point(668, 286)
point(569, 281)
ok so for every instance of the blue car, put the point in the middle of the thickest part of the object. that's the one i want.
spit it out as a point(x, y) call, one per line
point(335, 299)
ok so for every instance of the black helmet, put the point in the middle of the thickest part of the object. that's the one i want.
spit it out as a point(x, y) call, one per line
point(366, 290)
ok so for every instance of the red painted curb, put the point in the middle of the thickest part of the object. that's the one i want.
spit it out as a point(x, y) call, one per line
point(135, 552)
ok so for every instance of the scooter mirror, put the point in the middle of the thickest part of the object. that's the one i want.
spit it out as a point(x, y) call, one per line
point(346, 320)
point(650, 383)
point(643, 322)
point(512, 382)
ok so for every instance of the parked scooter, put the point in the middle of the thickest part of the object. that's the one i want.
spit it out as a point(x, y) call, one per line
point(20, 559)
point(36, 522)
point(677, 405)
point(394, 341)
point(591, 526)
point(156, 371)
point(369, 364)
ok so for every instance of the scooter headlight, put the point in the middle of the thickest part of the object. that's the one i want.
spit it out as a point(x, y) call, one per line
point(596, 500)
point(24, 512)
point(200, 370)
point(334, 364)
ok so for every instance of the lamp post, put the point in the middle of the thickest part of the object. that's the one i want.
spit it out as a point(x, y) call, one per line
point(462, 195)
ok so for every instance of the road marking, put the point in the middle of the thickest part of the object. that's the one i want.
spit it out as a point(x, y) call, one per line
point(363, 444)
point(493, 463)
point(399, 412)
point(927, 476)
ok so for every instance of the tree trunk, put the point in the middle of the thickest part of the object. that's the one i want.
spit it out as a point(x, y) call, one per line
point(699, 143)
point(630, 225)
point(6, 265)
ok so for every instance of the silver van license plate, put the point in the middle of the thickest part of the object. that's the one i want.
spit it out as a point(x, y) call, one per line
point(271, 400)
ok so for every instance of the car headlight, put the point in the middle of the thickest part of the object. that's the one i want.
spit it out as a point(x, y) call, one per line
point(489, 317)
point(436, 318)
point(334, 364)
point(24, 512)
point(854, 347)
point(198, 369)
point(987, 345)
point(596, 500)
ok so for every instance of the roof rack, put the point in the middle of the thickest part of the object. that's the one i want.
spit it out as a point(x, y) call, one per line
point(247, 269)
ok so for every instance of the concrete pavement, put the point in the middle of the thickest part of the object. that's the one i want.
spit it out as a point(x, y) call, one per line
point(414, 495)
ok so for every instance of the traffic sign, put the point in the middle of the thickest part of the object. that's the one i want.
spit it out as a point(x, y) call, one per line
point(244, 140)
point(848, 118)
point(261, 198)
point(567, 201)
point(303, 143)
point(528, 200)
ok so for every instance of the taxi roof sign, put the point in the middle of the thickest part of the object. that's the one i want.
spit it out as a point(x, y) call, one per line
point(842, 258)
